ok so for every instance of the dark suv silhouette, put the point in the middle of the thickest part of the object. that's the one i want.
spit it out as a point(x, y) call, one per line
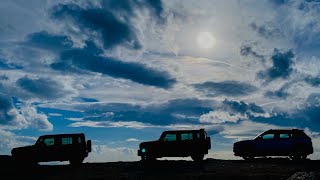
point(179, 143)
point(276, 142)
point(57, 147)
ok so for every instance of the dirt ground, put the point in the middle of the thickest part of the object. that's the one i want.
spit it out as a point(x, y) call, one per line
point(259, 169)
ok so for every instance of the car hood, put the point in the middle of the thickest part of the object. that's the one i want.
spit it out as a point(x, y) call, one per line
point(243, 142)
point(21, 149)
point(148, 143)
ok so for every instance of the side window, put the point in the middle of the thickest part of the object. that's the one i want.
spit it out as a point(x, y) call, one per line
point(186, 136)
point(268, 136)
point(79, 140)
point(170, 137)
point(49, 141)
point(198, 135)
point(284, 136)
point(66, 140)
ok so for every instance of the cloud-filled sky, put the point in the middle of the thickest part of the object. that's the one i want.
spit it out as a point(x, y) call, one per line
point(124, 71)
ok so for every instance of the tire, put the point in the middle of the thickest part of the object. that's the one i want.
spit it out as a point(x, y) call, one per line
point(76, 161)
point(248, 157)
point(197, 157)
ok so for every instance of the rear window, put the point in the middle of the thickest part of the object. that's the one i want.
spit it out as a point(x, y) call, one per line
point(284, 136)
point(66, 140)
point(186, 136)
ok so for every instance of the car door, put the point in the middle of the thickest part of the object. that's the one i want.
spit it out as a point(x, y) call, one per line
point(46, 149)
point(169, 144)
point(284, 143)
point(266, 145)
point(186, 144)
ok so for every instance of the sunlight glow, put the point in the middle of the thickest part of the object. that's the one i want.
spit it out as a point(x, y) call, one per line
point(205, 40)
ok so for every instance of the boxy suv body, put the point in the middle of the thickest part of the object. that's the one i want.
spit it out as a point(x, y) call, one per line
point(179, 143)
point(276, 142)
point(57, 147)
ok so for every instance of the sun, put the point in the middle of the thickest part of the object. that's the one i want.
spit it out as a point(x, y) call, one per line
point(205, 40)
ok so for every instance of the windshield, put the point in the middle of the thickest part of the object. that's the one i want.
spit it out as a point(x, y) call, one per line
point(40, 139)
point(258, 136)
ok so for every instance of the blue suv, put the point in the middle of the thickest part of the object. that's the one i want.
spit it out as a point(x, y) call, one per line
point(276, 142)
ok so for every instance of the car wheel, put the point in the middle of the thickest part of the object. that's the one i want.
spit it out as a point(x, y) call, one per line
point(248, 157)
point(76, 161)
point(197, 157)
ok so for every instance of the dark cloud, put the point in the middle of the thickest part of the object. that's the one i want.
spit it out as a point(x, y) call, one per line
point(243, 107)
point(313, 81)
point(228, 88)
point(7, 114)
point(281, 68)
point(4, 64)
point(177, 111)
point(127, 7)
point(266, 31)
point(90, 60)
point(248, 51)
point(280, 93)
point(305, 117)
point(48, 41)
point(112, 30)
point(42, 87)
point(4, 77)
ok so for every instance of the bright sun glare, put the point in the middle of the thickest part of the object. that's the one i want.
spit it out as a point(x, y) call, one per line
point(205, 40)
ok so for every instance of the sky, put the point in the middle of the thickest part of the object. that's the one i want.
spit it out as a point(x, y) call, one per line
point(122, 72)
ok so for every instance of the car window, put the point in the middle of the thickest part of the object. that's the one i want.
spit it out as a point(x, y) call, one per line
point(170, 137)
point(66, 140)
point(268, 136)
point(49, 141)
point(186, 136)
point(284, 136)
point(79, 140)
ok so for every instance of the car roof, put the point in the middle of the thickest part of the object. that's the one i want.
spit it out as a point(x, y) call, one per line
point(184, 130)
point(70, 134)
point(284, 130)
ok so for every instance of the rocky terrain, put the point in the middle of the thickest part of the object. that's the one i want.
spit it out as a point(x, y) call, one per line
point(260, 169)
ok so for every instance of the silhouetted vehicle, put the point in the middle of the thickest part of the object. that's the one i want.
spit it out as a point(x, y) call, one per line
point(276, 142)
point(57, 147)
point(179, 143)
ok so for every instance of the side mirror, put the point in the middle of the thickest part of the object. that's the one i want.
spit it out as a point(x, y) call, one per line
point(89, 146)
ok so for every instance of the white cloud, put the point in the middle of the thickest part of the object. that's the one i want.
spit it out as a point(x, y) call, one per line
point(132, 140)
point(36, 120)
point(103, 153)
point(218, 117)
point(9, 140)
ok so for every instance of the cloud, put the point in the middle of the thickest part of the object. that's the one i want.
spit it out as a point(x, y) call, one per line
point(8, 66)
point(281, 66)
point(248, 51)
point(48, 41)
point(104, 153)
point(90, 60)
point(313, 81)
point(133, 140)
point(9, 115)
point(24, 117)
point(266, 31)
point(37, 120)
point(175, 111)
point(43, 88)
point(112, 30)
point(280, 93)
point(128, 7)
point(10, 140)
point(243, 107)
point(219, 117)
point(227, 88)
